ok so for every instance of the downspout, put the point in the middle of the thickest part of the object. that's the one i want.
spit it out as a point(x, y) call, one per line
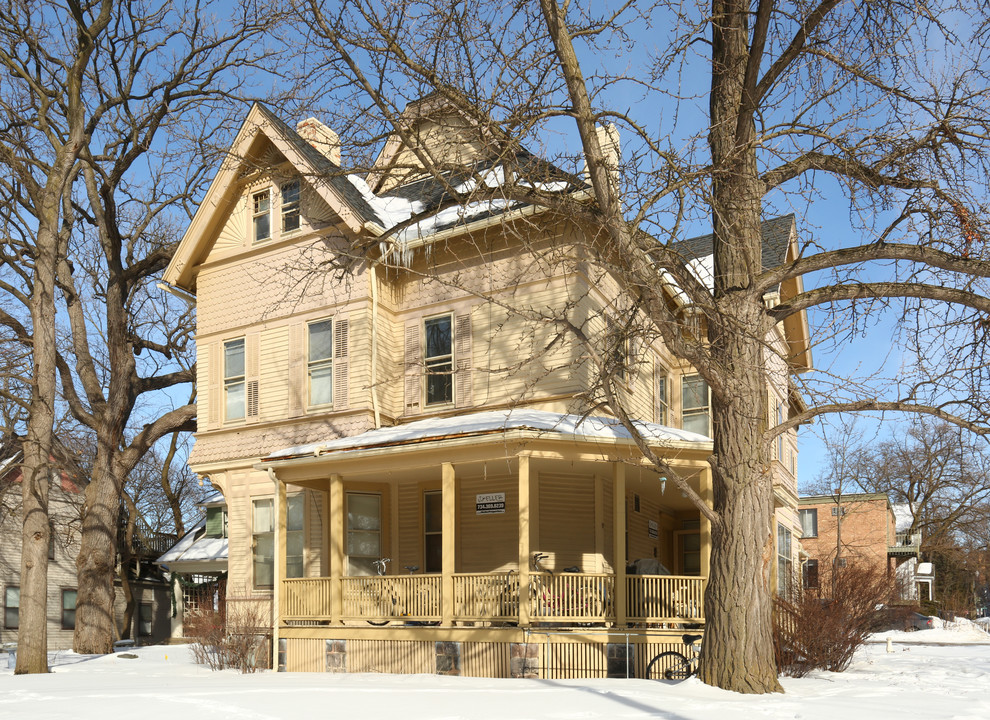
point(276, 562)
point(374, 345)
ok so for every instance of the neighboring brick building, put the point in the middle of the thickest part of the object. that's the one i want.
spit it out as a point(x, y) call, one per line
point(866, 535)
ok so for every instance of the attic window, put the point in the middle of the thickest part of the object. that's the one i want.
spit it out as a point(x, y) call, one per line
point(261, 215)
point(290, 206)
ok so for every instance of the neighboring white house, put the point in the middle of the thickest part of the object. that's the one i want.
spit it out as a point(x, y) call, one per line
point(197, 566)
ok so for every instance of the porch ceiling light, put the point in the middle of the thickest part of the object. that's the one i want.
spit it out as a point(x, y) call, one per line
point(663, 485)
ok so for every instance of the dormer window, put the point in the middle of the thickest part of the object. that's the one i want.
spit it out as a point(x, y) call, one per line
point(261, 215)
point(290, 206)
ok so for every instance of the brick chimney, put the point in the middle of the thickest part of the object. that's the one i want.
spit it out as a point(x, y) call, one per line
point(321, 137)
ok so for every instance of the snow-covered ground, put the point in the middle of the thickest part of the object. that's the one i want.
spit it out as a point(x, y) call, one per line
point(946, 680)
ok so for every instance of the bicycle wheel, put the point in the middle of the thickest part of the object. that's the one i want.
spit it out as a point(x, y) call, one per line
point(670, 665)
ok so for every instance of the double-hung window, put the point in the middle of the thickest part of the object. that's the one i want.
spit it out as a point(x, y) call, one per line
point(261, 215)
point(11, 607)
point(364, 532)
point(294, 535)
point(320, 362)
point(809, 522)
point(662, 403)
point(785, 564)
point(439, 360)
point(69, 609)
point(695, 403)
point(290, 206)
point(809, 573)
point(233, 379)
point(433, 530)
point(145, 619)
point(263, 542)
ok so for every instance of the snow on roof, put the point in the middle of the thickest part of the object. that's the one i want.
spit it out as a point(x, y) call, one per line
point(213, 499)
point(195, 546)
point(589, 428)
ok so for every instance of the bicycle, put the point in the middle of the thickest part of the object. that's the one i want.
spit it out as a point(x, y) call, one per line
point(674, 665)
point(575, 600)
point(387, 593)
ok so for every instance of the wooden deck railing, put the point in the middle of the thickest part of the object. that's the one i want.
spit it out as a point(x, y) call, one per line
point(494, 597)
point(391, 597)
point(664, 598)
point(306, 599)
point(483, 597)
point(572, 597)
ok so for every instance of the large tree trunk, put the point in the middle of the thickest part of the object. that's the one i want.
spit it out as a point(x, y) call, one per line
point(32, 635)
point(97, 561)
point(738, 649)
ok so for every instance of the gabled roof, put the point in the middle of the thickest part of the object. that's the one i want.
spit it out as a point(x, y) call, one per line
point(776, 235)
point(324, 176)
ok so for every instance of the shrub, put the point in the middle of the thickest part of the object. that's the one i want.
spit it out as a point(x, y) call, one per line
point(240, 640)
point(812, 632)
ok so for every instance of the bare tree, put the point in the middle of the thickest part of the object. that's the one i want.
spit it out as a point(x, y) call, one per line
point(128, 109)
point(728, 112)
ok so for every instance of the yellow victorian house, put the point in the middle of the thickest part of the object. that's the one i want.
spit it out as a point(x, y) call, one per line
point(416, 478)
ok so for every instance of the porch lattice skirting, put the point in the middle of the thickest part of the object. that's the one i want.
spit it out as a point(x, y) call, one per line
point(547, 655)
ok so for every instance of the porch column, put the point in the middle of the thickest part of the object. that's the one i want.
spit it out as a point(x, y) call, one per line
point(524, 546)
point(705, 536)
point(278, 559)
point(619, 540)
point(335, 543)
point(448, 563)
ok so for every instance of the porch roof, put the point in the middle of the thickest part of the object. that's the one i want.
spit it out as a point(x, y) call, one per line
point(547, 424)
point(195, 547)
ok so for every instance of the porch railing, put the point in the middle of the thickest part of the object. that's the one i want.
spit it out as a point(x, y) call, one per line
point(905, 543)
point(664, 598)
point(391, 597)
point(572, 597)
point(306, 598)
point(483, 597)
point(495, 597)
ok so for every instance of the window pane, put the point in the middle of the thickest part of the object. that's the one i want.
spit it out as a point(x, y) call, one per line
point(364, 543)
point(290, 205)
point(434, 554)
point(439, 382)
point(294, 512)
point(262, 219)
point(68, 609)
point(294, 554)
point(233, 358)
point(264, 516)
point(363, 512)
point(433, 507)
point(235, 400)
point(264, 560)
point(438, 336)
point(12, 602)
point(321, 340)
point(144, 619)
point(321, 384)
point(696, 423)
point(695, 392)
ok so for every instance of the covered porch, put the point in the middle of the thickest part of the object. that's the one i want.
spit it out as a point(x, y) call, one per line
point(537, 523)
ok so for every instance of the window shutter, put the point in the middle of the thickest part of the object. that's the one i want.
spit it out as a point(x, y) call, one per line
point(214, 522)
point(413, 368)
point(297, 368)
point(340, 379)
point(462, 355)
point(251, 372)
point(213, 385)
point(659, 393)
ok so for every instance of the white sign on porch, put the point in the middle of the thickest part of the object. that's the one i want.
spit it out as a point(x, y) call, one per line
point(490, 504)
point(654, 529)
